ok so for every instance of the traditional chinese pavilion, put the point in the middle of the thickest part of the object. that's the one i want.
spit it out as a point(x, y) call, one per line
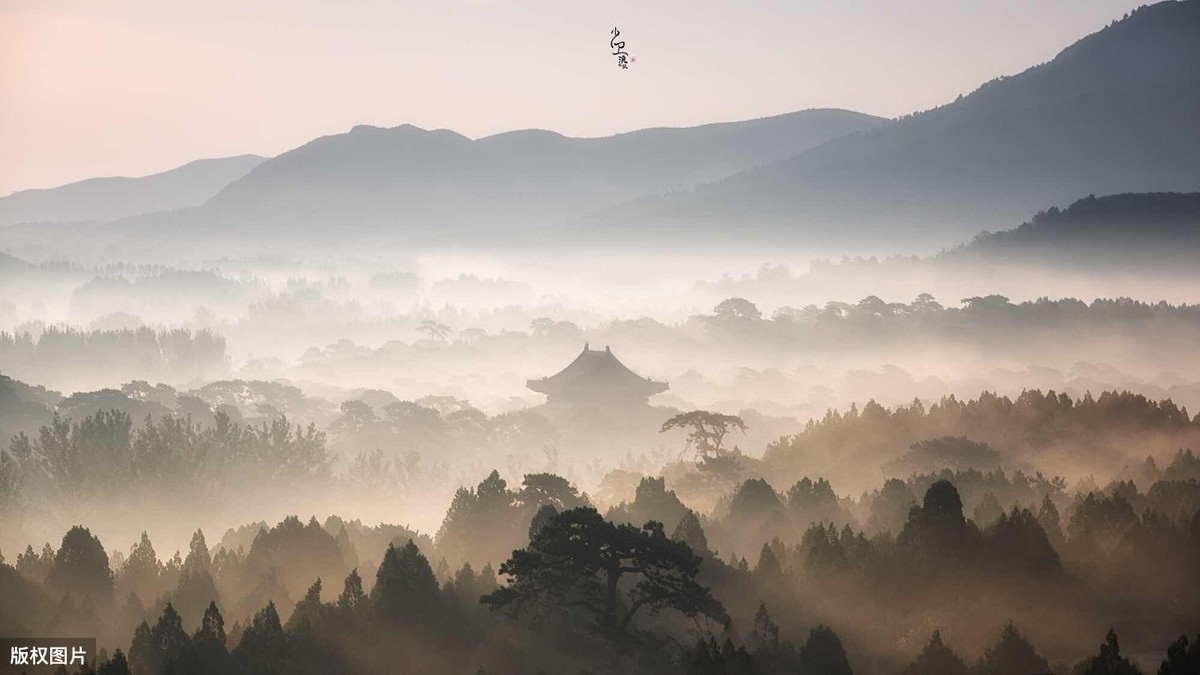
point(596, 379)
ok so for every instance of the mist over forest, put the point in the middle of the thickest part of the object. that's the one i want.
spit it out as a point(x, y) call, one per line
point(819, 393)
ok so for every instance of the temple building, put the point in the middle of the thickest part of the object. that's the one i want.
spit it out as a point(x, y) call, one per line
point(596, 380)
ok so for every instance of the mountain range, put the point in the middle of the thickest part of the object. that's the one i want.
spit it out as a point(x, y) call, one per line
point(411, 178)
point(104, 199)
point(1115, 112)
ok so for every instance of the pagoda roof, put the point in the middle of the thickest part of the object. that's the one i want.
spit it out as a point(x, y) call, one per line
point(594, 370)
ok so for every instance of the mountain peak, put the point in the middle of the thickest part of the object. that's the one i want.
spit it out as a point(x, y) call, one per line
point(1112, 113)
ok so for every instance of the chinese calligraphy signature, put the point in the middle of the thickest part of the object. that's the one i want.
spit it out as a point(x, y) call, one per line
point(618, 47)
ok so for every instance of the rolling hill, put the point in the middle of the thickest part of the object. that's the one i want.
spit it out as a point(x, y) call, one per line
point(1144, 231)
point(103, 199)
point(410, 182)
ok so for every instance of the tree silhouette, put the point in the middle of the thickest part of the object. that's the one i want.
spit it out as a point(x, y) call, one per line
point(116, 664)
point(652, 501)
point(937, 530)
point(577, 563)
point(352, 597)
point(1100, 522)
point(36, 566)
point(824, 552)
point(538, 489)
point(433, 329)
point(706, 658)
point(1019, 546)
point(263, 648)
point(544, 515)
point(890, 507)
point(480, 524)
point(1182, 659)
point(946, 452)
point(81, 566)
point(142, 658)
point(1109, 661)
point(815, 502)
point(736, 308)
point(405, 592)
point(707, 430)
point(1012, 653)
point(196, 588)
point(754, 501)
point(161, 648)
point(988, 511)
point(936, 659)
point(1050, 521)
point(141, 570)
point(822, 654)
point(295, 553)
point(690, 532)
point(768, 570)
point(771, 654)
point(208, 651)
point(925, 304)
point(765, 633)
point(309, 608)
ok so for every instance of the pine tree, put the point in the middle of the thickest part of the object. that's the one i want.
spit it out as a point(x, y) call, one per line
point(706, 659)
point(1109, 661)
point(263, 647)
point(936, 659)
point(822, 654)
point(765, 633)
point(1050, 521)
point(116, 664)
point(209, 653)
point(81, 566)
point(141, 571)
point(1011, 654)
point(212, 626)
point(768, 570)
point(544, 514)
point(198, 558)
point(405, 589)
point(310, 608)
point(1182, 659)
point(691, 533)
point(156, 648)
point(142, 658)
point(167, 636)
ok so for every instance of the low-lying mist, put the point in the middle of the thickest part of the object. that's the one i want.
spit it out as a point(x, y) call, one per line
point(230, 430)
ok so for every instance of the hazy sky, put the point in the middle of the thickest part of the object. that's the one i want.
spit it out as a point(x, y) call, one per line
point(130, 87)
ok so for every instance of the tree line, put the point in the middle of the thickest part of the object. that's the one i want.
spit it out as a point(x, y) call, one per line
point(53, 352)
point(582, 590)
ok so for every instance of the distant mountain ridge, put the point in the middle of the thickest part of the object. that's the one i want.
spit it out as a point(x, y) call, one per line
point(406, 178)
point(1114, 112)
point(102, 199)
point(1133, 229)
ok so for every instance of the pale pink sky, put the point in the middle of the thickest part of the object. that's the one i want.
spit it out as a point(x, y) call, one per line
point(131, 87)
